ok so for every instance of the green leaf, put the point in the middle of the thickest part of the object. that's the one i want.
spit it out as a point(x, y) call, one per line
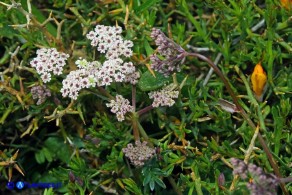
point(148, 82)
point(48, 191)
point(132, 186)
point(145, 6)
point(152, 17)
point(190, 17)
point(168, 170)
point(147, 178)
point(40, 157)
point(77, 164)
point(47, 154)
point(278, 126)
point(6, 31)
point(56, 145)
point(160, 182)
point(152, 185)
point(147, 47)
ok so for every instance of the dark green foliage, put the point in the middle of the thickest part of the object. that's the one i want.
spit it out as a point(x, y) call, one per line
point(79, 143)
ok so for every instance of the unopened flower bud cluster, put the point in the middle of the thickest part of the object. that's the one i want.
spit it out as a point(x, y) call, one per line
point(172, 54)
point(262, 183)
point(49, 61)
point(40, 93)
point(163, 97)
point(120, 106)
point(139, 153)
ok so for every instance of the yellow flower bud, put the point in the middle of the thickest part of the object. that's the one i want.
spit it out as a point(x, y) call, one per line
point(287, 4)
point(258, 81)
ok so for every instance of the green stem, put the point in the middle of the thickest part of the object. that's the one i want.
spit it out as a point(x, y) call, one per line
point(135, 122)
point(142, 132)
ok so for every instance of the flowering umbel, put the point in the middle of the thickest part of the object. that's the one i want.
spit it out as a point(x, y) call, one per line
point(84, 77)
point(114, 70)
point(172, 54)
point(120, 106)
point(49, 61)
point(164, 97)
point(139, 153)
point(262, 183)
point(108, 40)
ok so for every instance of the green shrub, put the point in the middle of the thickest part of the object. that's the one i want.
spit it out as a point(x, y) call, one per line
point(146, 96)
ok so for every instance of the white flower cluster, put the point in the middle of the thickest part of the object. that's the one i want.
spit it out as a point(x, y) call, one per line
point(49, 61)
point(139, 153)
point(120, 107)
point(108, 40)
point(163, 97)
point(84, 77)
point(91, 74)
point(114, 70)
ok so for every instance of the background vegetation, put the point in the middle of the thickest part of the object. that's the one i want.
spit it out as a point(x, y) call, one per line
point(82, 145)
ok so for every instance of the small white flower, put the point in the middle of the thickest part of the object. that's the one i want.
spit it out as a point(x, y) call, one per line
point(91, 35)
point(102, 47)
point(119, 77)
point(106, 80)
point(57, 71)
point(46, 77)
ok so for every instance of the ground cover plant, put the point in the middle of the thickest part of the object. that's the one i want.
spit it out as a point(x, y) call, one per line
point(146, 97)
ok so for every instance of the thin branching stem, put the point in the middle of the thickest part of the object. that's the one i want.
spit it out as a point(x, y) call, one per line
point(144, 110)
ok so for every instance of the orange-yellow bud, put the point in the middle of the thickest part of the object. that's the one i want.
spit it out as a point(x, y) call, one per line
point(258, 80)
point(286, 4)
